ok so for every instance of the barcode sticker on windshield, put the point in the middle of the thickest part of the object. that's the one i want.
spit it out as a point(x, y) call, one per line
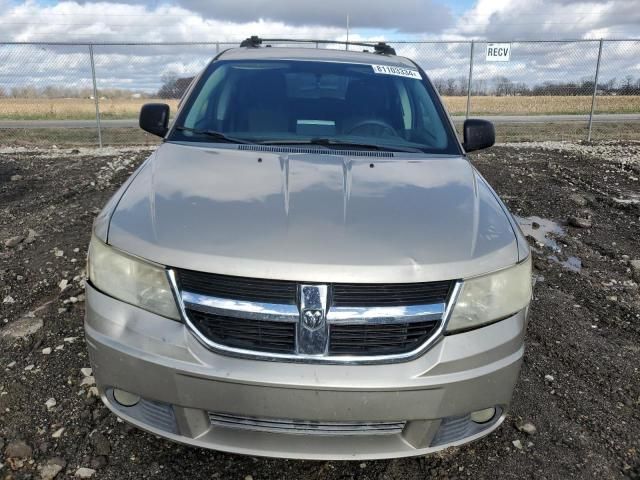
point(398, 71)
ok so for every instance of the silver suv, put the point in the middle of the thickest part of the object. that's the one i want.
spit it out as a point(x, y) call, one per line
point(308, 266)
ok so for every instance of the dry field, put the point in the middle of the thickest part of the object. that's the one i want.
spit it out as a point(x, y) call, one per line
point(80, 109)
point(72, 108)
point(542, 105)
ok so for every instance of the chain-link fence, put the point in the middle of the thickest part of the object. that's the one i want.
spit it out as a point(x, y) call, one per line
point(92, 93)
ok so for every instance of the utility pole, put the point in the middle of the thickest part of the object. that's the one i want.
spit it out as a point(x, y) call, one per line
point(595, 91)
point(95, 94)
point(346, 47)
point(469, 85)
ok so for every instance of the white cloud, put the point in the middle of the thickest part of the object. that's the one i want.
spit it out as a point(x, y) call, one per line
point(401, 15)
point(115, 22)
point(200, 20)
point(550, 19)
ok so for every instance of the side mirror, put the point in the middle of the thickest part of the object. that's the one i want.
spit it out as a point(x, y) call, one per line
point(154, 118)
point(478, 134)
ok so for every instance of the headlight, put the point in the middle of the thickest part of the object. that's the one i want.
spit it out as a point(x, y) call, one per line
point(492, 297)
point(131, 280)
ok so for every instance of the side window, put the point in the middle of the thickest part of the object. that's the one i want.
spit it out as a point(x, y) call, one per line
point(187, 90)
point(222, 107)
point(203, 103)
point(428, 122)
point(405, 105)
point(422, 111)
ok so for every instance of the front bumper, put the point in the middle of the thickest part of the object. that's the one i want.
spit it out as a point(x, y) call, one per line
point(183, 386)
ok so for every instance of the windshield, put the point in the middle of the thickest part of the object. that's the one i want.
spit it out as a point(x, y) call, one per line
point(327, 103)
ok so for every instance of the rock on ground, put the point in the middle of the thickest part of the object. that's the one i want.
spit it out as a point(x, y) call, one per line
point(635, 269)
point(22, 328)
point(18, 449)
point(528, 428)
point(101, 444)
point(579, 222)
point(50, 470)
point(84, 472)
point(13, 241)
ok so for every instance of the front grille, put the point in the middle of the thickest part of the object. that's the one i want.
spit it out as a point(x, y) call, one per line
point(389, 294)
point(385, 339)
point(373, 322)
point(257, 335)
point(305, 427)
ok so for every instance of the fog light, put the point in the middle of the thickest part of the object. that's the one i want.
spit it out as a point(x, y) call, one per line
point(125, 399)
point(483, 416)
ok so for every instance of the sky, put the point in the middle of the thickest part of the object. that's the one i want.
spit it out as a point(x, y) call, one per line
point(189, 20)
point(141, 68)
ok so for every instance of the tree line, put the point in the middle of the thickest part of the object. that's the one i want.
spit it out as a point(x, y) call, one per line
point(503, 86)
point(174, 87)
point(57, 91)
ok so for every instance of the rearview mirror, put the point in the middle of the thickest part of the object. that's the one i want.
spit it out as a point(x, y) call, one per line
point(478, 134)
point(154, 118)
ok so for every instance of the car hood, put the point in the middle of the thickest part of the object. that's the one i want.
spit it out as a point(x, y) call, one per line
point(313, 216)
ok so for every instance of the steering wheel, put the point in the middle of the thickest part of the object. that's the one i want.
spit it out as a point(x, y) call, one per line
point(380, 125)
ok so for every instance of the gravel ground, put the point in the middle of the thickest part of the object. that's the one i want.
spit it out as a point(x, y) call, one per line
point(579, 386)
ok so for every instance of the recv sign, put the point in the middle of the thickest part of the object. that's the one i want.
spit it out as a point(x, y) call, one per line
point(498, 52)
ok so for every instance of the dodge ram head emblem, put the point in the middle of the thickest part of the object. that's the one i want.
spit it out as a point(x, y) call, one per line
point(312, 319)
point(312, 326)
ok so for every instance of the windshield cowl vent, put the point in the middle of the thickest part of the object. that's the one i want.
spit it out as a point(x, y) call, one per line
point(316, 150)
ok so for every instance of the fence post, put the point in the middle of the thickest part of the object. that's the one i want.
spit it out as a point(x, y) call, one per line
point(217, 48)
point(470, 80)
point(95, 94)
point(595, 91)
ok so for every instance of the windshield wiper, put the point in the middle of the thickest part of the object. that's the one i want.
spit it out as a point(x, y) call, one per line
point(334, 143)
point(212, 134)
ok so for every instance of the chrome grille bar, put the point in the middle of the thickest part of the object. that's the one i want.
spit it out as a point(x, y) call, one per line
point(305, 427)
point(279, 312)
point(386, 315)
point(275, 312)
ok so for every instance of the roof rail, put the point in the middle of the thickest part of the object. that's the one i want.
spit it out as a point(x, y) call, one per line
point(384, 49)
point(253, 42)
point(381, 48)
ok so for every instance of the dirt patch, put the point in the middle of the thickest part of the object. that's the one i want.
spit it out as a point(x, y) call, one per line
point(579, 385)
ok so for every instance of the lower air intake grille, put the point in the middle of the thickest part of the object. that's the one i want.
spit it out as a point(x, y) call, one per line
point(305, 427)
point(382, 339)
point(453, 429)
point(274, 337)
